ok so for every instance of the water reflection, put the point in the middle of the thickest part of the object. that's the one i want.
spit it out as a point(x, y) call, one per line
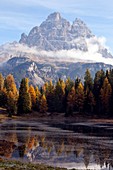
point(67, 145)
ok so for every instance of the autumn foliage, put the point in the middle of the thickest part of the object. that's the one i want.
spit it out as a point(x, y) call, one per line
point(92, 96)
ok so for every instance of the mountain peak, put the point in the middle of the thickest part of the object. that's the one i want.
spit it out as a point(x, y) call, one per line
point(79, 21)
point(54, 16)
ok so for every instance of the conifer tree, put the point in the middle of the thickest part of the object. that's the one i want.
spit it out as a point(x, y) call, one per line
point(10, 85)
point(70, 101)
point(68, 86)
point(33, 96)
point(59, 96)
point(98, 82)
point(3, 98)
point(77, 81)
point(89, 101)
point(43, 104)
point(11, 104)
point(1, 82)
point(88, 81)
point(38, 96)
point(3, 93)
point(12, 94)
point(79, 100)
point(105, 96)
point(24, 101)
point(50, 96)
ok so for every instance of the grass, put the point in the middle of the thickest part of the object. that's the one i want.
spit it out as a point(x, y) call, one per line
point(16, 165)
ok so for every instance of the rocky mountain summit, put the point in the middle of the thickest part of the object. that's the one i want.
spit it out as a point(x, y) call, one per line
point(55, 49)
point(56, 33)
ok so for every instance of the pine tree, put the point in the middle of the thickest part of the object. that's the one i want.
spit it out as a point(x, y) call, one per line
point(68, 86)
point(70, 101)
point(79, 100)
point(105, 96)
point(33, 96)
point(77, 81)
point(50, 96)
point(98, 82)
point(43, 104)
point(11, 104)
point(88, 81)
point(3, 93)
point(89, 102)
point(10, 85)
point(3, 98)
point(59, 96)
point(1, 82)
point(12, 94)
point(38, 96)
point(24, 101)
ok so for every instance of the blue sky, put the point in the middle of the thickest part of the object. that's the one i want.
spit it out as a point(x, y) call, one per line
point(18, 16)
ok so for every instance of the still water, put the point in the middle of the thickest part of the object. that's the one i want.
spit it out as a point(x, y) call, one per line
point(80, 145)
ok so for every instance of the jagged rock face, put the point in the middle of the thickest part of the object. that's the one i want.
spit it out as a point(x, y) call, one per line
point(56, 33)
point(39, 73)
point(48, 59)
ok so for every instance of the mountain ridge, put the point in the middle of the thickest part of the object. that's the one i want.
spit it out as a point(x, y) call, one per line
point(55, 49)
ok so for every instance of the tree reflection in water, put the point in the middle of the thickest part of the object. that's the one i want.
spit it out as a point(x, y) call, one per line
point(30, 144)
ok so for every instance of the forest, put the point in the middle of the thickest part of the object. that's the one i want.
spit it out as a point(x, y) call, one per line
point(91, 96)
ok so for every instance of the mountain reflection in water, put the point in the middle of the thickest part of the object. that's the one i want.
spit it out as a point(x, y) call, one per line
point(71, 145)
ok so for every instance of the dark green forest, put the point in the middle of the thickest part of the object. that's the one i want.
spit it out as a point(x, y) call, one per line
point(93, 96)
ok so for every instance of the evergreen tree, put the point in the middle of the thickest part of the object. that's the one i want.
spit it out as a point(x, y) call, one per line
point(88, 81)
point(70, 101)
point(12, 94)
point(38, 96)
point(33, 96)
point(77, 81)
point(98, 82)
point(11, 104)
point(79, 100)
point(43, 104)
point(3, 98)
point(89, 101)
point(10, 85)
point(59, 96)
point(50, 96)
point(24, 101)
point(105, 96)
point(68, 86)
point(1, 82)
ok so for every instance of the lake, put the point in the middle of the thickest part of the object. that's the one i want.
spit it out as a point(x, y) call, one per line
point(70, 144)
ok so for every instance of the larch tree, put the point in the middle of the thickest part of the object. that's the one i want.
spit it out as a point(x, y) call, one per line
point(90, 99)
point(24, 101)
point(68, 86)
point(79, 100)
point(43, 104)
point(1, 82)
point(3, 94)
point(38, 96)
point(88, 88)
point(88, 81)
point(12, 94)
point(105, 96)
point(11, 104)
point(9, 84)
point(98, 82)
point(50, 96)
point(59, 96)
point(33, 96)
point(70, 101)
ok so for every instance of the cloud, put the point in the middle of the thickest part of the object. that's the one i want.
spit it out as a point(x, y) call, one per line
point(92, 55)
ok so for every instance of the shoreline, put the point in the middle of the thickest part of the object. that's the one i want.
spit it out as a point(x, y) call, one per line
point(18, 165)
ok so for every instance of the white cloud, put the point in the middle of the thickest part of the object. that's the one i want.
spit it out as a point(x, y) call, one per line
point(92, 55)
